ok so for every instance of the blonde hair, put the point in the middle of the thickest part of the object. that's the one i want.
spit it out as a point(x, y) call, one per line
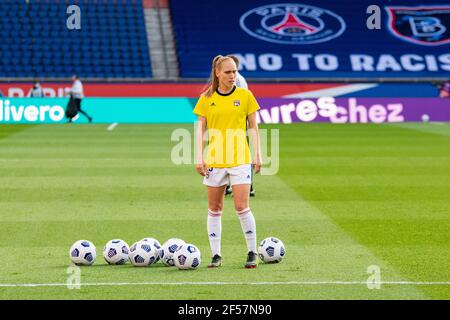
point(213, 82)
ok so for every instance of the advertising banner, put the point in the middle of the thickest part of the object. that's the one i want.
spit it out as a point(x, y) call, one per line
point(102, 110)
point(273, 111)
point(316, 38)
point(262, 90)
point(354, 110)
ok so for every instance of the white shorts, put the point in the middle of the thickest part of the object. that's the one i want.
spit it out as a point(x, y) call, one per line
point(217, 177)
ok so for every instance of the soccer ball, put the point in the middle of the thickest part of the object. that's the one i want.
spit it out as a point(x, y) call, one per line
point(271, 250)
point(187, 256)
point(156, 244)
point(83, 252)
point(168, 249)
point(143, 253)
point(116, 251)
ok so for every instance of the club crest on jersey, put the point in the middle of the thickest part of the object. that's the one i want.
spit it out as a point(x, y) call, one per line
point(424, 25)
point(237, 103)
point(292, 23)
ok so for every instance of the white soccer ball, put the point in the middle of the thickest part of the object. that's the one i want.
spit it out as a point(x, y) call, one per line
point(156, 244)
point(116, 252)
point(187, 256)
point(83, 252)
point(425, 118)
point(271, 250)
point(168, 249)
point(143, 254)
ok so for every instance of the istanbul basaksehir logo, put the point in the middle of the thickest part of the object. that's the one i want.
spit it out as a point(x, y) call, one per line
point(424, 25)
point(291, 23)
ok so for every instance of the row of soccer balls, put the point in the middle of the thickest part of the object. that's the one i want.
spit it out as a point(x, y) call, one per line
point(148, 251)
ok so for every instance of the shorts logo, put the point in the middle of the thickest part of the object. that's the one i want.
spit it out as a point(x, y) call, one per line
point(292, 23)
point(424, 25)
point(236, 103)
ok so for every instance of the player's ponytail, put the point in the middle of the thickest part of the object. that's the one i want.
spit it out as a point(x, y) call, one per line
point(213, 82)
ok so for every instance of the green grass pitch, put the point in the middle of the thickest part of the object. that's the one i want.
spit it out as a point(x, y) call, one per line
point(346, 197)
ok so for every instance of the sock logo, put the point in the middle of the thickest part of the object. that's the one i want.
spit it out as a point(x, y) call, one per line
point(249, 232)
point(212, 235)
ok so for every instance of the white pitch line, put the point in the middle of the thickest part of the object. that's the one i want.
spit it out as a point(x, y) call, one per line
point(332, 92)
point(306, 283)
point(112, 126)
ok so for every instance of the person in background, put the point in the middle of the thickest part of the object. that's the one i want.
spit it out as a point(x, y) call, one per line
point(36, 91)
point(241, 83)
point(444, 89)
point(77, 94)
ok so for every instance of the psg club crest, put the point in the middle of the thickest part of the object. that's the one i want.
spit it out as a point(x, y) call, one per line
point(292, 23)
point(425, 25)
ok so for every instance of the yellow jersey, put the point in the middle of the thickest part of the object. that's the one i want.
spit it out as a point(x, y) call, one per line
point(226, 122)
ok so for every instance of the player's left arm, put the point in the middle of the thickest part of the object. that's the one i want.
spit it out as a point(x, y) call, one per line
point(254, 138)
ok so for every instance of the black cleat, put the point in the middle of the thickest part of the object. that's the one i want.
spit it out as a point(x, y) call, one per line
point(251, 260)
point(215, 262)
point(252, 192)
point(228, 190)
point(90, 119)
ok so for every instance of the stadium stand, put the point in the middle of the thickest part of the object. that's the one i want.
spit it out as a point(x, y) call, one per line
point(175, 40)
point(36, 42)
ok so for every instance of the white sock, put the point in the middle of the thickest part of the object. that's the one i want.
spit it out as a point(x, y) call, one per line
point(214, 231)
point(248, 226)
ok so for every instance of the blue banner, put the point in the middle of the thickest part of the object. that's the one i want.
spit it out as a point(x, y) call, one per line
point(316, 38)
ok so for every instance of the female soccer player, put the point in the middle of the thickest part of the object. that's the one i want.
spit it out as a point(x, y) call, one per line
point(223, 109)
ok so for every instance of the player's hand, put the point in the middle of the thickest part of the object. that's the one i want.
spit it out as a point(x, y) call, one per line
point(201, 168)
point(257, 165)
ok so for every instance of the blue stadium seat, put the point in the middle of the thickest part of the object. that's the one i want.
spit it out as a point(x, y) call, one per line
point(35, 45)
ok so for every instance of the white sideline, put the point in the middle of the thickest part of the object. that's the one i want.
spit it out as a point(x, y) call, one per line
point(306, 283)
point(112, 126)
point(332, 92)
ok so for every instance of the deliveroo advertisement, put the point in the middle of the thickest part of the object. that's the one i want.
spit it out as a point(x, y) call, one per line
point(102, 110)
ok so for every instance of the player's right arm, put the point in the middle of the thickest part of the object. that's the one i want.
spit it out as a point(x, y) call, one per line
point(201, 132)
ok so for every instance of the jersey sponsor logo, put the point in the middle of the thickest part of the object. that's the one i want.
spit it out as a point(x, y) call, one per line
point(212, 104)
point(291, 23)
point(424, 25)
point(236, 103)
